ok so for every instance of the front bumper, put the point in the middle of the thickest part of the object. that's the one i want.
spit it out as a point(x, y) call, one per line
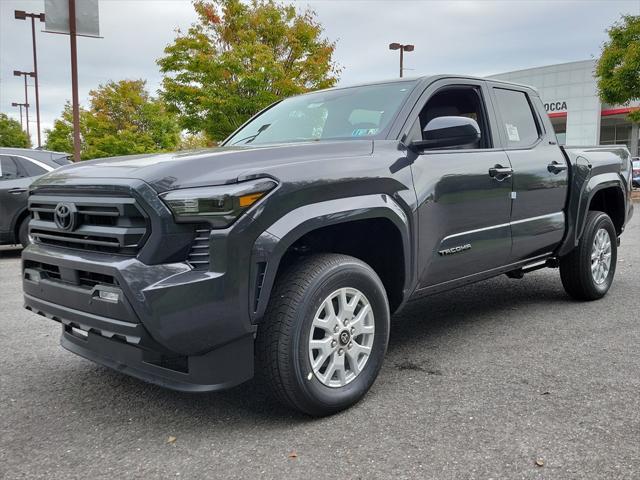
point(166, 324)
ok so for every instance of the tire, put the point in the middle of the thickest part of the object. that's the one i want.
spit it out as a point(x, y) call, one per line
point(576, 268)
point(298, 304)
point(23, 232)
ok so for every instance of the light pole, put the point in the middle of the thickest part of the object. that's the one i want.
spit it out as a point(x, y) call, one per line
point(25, 105)
point(18, 73)
point(402, 48)
point(22, 15)
point(74, 81)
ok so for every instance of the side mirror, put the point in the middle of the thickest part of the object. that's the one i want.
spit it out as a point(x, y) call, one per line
point(444, 132)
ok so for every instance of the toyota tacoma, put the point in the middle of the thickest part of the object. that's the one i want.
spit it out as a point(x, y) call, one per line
point(283, 253)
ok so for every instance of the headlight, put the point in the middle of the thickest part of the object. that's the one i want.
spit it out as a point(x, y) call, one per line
point(220, 205)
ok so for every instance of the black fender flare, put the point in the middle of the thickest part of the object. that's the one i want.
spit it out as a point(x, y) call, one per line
point(578, 207)
point(271, 245)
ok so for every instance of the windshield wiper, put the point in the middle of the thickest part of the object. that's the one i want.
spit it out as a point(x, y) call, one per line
point(251, 138)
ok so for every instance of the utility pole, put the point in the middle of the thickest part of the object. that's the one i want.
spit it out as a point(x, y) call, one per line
point(22, 15)
point(402, 48)
point(74, 80)
point(18, 73)
point(26, 105)
point(73, 18)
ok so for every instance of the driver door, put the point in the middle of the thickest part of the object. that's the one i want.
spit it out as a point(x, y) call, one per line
point(464, 204)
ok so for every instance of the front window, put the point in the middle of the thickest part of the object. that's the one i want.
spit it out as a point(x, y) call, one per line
point(348, 113)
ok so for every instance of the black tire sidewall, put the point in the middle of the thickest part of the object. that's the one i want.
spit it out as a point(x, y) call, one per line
point(23, 232)
point(313, 392)
point(599, 220)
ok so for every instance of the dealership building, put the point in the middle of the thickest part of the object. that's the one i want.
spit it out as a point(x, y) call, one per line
point(570, 95)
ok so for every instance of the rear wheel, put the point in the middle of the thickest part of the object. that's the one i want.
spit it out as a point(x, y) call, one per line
point(323, 339)
point(23, 232)
point(587, 272)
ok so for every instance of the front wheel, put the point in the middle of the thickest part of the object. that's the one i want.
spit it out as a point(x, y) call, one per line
point(323, 339)
point(587, 272)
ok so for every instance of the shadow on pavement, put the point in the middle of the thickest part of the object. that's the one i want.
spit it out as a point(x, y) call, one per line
point(484, 301)
point(247, 404)
point(10, 251)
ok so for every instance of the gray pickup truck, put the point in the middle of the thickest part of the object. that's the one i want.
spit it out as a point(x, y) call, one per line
point(283, 253)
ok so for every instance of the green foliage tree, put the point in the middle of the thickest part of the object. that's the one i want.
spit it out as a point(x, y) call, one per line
point(238, 58)
point(122, 119)
point(11, 133)
point(618, 70)
point(195, 141)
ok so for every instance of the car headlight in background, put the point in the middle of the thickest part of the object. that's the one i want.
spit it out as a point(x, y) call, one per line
point(220, 205)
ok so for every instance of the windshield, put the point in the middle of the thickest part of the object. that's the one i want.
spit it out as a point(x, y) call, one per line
point(349, 113)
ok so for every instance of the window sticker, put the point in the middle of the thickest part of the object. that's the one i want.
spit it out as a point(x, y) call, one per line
point(363, 132)
point(512, 132)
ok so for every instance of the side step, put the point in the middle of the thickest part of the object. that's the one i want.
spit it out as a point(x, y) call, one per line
point(519, 273)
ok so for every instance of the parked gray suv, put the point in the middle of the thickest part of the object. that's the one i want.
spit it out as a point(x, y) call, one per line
point(19, 167)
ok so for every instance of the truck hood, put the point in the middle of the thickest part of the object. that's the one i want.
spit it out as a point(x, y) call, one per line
point(216, 166)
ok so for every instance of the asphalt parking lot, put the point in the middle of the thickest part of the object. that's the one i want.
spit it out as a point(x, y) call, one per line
point(478, 383)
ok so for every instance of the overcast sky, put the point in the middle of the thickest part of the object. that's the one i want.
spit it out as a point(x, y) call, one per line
point(473, 37)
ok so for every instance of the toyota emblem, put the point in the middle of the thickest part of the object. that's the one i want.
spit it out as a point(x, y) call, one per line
point(65, 216)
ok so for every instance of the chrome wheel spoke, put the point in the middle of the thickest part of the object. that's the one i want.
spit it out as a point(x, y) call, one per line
point(334, 369)
point(601, 256)
point(341, 337)
point(358, 349)
point(360, 324)
point(323, 347)
point(354, 364)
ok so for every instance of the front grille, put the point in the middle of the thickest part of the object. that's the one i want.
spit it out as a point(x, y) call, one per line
point(199, 253)
point(104, 224)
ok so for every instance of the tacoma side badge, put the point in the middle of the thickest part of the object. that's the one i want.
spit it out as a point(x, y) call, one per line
point(453, 250)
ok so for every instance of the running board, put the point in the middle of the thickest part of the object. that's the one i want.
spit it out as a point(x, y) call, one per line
point(532, 267)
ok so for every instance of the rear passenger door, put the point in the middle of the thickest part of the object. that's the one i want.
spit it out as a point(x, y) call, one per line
point(540, 174)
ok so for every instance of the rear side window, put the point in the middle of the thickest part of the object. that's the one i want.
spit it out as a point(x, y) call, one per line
point(30, 168)
point(8, 168)
point(518, 123)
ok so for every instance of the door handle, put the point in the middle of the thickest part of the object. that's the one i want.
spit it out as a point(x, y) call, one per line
point(17, 190)
point(499, 172)
point(555, 167)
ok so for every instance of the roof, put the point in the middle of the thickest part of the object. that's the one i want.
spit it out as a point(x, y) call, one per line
point(427, 79)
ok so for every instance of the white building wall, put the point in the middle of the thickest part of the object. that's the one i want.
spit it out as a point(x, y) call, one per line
point(573, 83)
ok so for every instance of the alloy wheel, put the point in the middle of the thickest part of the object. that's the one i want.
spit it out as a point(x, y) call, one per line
point(341, 337)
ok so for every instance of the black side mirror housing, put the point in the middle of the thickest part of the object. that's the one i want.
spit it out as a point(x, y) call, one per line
point(443, 132)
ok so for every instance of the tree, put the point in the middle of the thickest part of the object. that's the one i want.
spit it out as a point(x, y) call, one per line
point(11, 133)
point(618, 69)
point(122, 119)
point(60, 137)
point(238, 58)
point(195, 141)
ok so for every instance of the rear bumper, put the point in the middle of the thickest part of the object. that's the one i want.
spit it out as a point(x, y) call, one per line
point(166, 324)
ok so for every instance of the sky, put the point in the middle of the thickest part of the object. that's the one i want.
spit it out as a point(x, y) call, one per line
point(479, 37)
